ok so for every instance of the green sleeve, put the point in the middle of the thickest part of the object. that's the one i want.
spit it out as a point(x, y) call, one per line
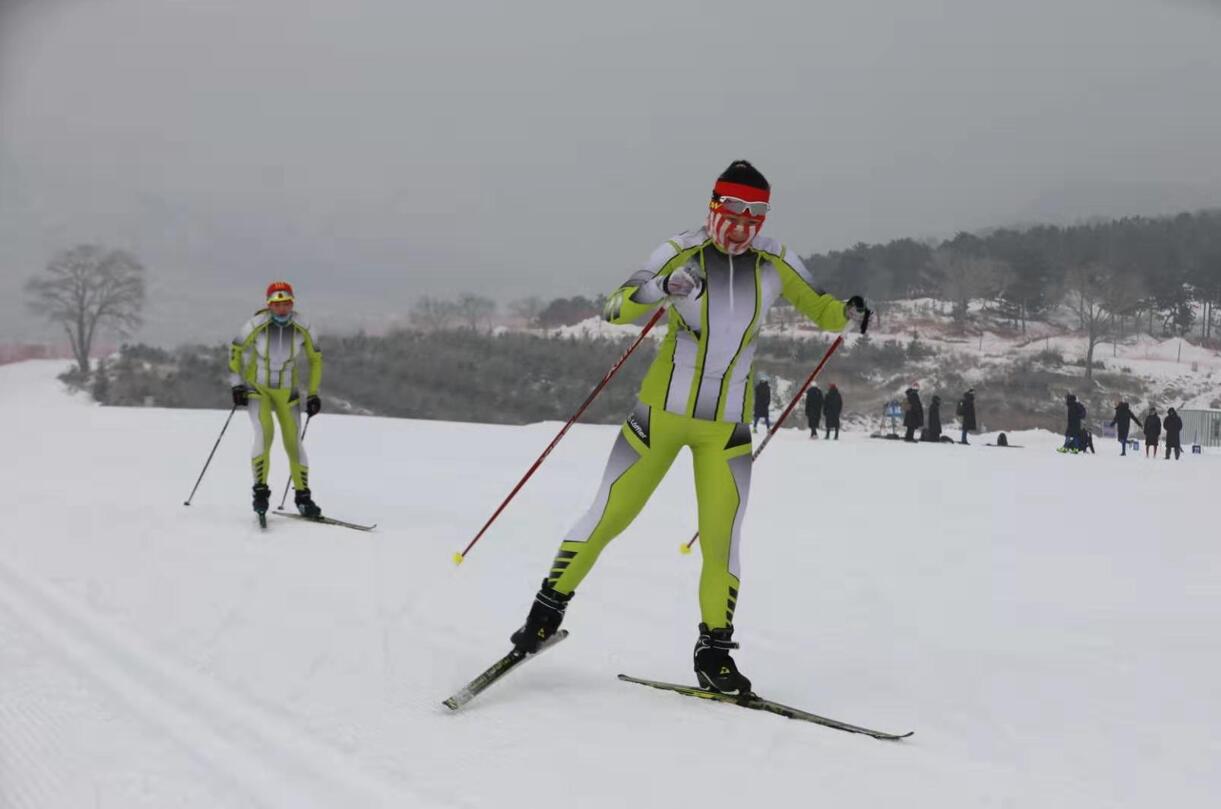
point(826, 311)
point(237, 354)
point(642, 293)
point(314, 355)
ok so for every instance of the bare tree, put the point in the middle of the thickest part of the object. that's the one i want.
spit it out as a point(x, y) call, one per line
point(528, 309)
point(88, 288)
point(433, 314)
point(964, 277)
point(1100, 294)
point(475, 310)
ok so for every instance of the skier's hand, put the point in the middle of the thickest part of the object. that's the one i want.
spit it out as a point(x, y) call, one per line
point(241, 396)
point(856, 311)
point(312, 406)
point(682, 283)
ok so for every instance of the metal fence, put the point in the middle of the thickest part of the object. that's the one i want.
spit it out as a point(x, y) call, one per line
point(1201, 427)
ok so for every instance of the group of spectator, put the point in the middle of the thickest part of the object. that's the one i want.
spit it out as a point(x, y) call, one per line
point(825, 409)
point(913, 416)
point(819, 407)
point(828, 407)
point(1153, 427)
point(1077, 437)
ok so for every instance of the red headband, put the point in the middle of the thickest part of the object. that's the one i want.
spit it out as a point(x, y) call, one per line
point(747, 193)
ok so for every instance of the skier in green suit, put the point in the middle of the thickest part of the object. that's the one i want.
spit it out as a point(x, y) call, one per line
point(263, 371)
point(719, 282)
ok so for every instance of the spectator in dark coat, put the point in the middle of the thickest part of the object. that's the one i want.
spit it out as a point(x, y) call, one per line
point(1174, 426)
point(913, 415)
point(1072, 431)
point(832, 407)
point(1122, 423)
point(966, 413)
point(763, 404)
point(814, 408)
point(933, 431)
point(1153, 431)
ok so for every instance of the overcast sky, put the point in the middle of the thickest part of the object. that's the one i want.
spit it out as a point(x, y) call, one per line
point(374, 150)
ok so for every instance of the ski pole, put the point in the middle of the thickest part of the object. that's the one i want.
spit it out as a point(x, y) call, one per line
point(284, 499)
point(233, 410)
point(686, 548)
point(461, 555)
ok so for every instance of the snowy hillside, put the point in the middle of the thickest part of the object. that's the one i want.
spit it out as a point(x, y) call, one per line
point(1046, 624)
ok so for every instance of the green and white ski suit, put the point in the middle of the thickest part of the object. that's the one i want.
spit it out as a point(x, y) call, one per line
point(264, 358)
point(698, 394)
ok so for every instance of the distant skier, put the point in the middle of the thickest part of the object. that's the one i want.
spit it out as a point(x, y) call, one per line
point(763, 404)
point(814, 408)
point(966, 414)
point(1173, 426)
point(913, 413)
point(1153, 432)
point(932, 432)
point(719, 280)
point(1072, 430)
point(1122, 423)
point(832, 407)
point(263, 369)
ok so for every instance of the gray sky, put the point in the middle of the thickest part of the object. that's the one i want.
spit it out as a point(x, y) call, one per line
point(374, 150)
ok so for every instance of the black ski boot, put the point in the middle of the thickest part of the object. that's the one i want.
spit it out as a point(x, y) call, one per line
point(262, 498)
point(544, 619)
point(305, 504)
point(714, 668)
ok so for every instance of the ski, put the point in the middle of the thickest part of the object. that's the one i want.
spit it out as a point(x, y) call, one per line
point(262, 515)
point(757, 703)
point(327, 521)
point(497, 670)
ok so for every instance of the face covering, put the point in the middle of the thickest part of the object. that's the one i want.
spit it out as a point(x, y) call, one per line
point(720, 228)
point(282, 320)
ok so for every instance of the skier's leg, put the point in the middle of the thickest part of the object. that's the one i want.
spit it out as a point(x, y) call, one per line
point(722, 456)
point(288, 410)
point(722, 484)
point(645, 448)
point(259, 408)
point(643, 451)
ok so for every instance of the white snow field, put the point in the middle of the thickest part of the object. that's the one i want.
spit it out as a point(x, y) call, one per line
point(1048, 625)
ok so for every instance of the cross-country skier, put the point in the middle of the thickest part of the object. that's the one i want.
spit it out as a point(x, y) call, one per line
point(263, 363)
point(719, 281)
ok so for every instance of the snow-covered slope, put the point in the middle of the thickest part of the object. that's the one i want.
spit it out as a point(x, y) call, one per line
point(1046, 624)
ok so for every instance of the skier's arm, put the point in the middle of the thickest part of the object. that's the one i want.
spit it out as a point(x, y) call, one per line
point(237, 354)
point(641, 294)
point(824, 310)
point(314, 355)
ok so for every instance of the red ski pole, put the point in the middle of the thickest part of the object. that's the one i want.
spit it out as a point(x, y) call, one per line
point(686, 548)
point(461, 555)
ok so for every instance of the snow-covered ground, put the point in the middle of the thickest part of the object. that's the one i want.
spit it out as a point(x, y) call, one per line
point(1046, 624)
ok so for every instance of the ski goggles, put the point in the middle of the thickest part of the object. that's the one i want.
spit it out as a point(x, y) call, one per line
point(280, 296)
point(740, 207)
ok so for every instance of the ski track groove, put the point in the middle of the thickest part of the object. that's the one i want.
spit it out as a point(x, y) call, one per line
point(268, 760)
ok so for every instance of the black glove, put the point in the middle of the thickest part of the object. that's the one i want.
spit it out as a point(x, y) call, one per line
point(856, 311)
point(312, 405)
point(241, 396)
